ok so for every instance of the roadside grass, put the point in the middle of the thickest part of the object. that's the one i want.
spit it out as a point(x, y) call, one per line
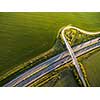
point(66, 79)
point(63, 77)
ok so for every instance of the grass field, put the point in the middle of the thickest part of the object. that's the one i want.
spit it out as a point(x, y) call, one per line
point(26, 35)
point(66, 80)
point(92, 66)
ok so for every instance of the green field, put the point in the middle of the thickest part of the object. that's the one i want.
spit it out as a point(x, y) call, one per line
point(92, 66)
point(66, 79)
point(26, 35)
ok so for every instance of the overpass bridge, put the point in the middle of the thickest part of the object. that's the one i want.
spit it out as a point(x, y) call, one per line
point(35, 73)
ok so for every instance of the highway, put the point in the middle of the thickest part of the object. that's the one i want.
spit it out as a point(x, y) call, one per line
point(74, 59)
point(52, 67)
point(42, 69)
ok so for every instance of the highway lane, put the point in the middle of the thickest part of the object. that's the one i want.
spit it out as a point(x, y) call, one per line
point(48, 62)
point(33, 78)
point(61, 62)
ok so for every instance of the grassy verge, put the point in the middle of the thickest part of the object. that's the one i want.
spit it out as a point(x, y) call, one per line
point(14, 72)
point(60, 77)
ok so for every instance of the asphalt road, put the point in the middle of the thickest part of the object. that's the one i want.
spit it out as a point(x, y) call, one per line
point(33, 78)
point(40, 70)
point(74, 59)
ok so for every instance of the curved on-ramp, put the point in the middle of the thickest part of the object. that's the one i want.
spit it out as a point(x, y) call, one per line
point(74, 59)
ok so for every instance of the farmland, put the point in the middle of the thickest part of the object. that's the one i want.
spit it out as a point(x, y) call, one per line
point(66, 80)
point(92, 66)
point(26, 35)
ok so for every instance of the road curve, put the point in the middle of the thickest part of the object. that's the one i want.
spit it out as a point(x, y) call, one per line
point(74, 59)
point(80, 30)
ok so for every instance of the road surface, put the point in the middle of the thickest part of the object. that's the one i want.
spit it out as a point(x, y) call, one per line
point(38, 71)
point(74, 59)
point(33, 78)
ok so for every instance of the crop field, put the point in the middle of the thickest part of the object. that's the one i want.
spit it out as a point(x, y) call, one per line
point(26, 35)
point(92, 66)
point(66, 79)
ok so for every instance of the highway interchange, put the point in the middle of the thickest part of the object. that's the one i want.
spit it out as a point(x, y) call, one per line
point(33, 74)
point(69, 48)
point(42, 69)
